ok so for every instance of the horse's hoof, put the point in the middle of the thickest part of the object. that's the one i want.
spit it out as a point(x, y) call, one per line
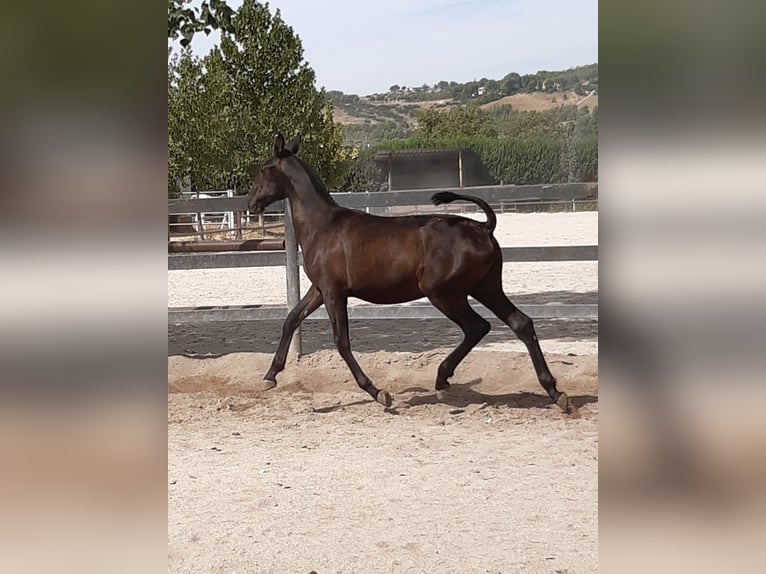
point(441, 395)
point(384, 398)
point(564, 404)
point(267, 385)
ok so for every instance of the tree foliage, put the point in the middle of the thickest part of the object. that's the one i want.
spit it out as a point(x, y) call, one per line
point(455, 121)
point(363, 173)
point(185, 21)
point(224, 109)
point(563, 121)
point(365, 135)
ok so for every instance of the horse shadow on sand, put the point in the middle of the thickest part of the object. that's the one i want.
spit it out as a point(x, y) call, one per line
point(462, 395)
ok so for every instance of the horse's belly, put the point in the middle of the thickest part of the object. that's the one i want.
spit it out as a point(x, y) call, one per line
point(399, 292)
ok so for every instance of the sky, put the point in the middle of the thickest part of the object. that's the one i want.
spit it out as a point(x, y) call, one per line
point(363, 47)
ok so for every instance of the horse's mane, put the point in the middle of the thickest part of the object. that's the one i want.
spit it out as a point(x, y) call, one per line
point(315, 181)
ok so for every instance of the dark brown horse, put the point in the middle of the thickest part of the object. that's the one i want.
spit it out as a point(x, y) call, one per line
point(348, 253)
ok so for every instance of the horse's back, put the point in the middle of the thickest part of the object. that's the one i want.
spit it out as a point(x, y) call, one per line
point(396, 259)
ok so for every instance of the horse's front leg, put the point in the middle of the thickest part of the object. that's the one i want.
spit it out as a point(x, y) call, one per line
point(311, 302)
point(336, 306)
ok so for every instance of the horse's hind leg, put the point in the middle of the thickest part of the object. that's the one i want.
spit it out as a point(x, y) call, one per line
point(338, 313)
point(491, 295)
point(473, 326)
point(311, 301)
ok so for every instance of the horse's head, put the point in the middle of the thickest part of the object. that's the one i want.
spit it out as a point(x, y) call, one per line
point(269, 181)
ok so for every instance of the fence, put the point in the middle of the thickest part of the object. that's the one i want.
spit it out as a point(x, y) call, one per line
point(252, 254)
point(198, 221)
point(491, 194)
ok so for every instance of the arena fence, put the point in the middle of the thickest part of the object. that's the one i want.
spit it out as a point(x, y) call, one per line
point(274, 252)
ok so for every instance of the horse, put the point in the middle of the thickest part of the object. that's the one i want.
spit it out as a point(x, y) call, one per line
point(388, 260)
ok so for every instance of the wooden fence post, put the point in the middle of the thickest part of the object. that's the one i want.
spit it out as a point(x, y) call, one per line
point(238, 224)
point(293, 274)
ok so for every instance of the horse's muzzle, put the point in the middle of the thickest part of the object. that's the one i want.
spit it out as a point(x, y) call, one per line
point(256, 207)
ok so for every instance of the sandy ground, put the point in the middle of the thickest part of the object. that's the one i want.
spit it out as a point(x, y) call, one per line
point(313, 475)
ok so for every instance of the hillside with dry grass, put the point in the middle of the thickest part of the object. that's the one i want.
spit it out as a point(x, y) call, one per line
point(541, 101)
point(375, 118)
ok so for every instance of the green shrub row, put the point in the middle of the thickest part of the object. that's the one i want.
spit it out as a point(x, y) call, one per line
point(525, 161)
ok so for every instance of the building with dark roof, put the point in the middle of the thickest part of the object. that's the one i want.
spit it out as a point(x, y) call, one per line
point(432, 168)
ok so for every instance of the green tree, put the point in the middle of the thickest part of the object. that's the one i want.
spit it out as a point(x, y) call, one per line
point(364, 174)
point(224, 110)
point(456, 121)
point(550, 123)
point(199, 115)
point(510, 84)
point(185, 21)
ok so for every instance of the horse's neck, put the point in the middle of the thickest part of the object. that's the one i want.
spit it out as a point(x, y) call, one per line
point(311, 211)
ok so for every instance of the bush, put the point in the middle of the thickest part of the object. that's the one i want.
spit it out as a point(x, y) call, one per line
point(524, 161)
point(363, 174)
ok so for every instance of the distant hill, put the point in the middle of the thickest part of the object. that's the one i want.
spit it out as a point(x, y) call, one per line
point(374, 118)
point(542, 101)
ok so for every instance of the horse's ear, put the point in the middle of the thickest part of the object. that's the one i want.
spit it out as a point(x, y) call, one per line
point(294, 144)
point(279, 145)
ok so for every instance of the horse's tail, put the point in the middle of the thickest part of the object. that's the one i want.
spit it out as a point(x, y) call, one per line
point(449, 197)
